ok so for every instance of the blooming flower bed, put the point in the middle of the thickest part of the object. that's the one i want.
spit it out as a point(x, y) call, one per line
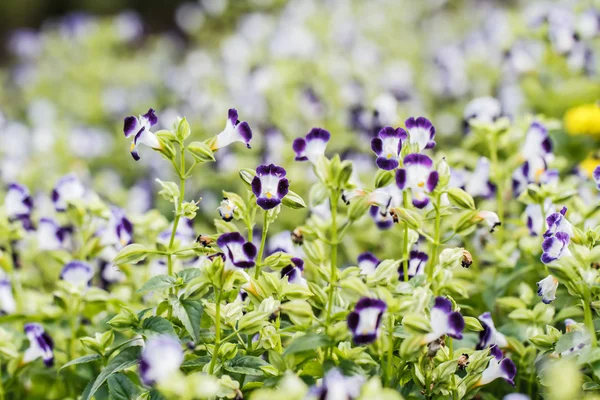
point(356, 228)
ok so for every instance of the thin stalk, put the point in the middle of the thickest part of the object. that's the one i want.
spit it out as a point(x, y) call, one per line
point(334, 247)
point(213, 361)
point(589, 322)
point(390, 358)
point(499, 187)
point(178, 212)
point(436, 239)
point(405, 252)
point(263, 240)
point(1, 382)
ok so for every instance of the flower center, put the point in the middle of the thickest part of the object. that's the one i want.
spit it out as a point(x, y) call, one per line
point(269, 195)
point(421, 184)
point(389, 156)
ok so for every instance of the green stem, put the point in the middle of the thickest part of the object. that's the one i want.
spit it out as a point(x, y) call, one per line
point(263, 240)
point(1, 382)
point(493, 147)
point(334, 247)
point(589, 322)
point(178, 212)
point(436, 239)
point(73, 327)
point(405, 252)
point(213, 361)
point(390, 355)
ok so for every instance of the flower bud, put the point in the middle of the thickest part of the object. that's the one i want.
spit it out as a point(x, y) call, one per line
point(201, 152)
point(183, 129)
point(443, 172)
point(124, 319)
point(461, 199)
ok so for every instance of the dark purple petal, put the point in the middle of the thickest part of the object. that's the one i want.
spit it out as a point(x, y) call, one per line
point(283, 188)
point(432, 181)
point(256, 186)
point(387, 164)
point(401, 178)
point(228, 238)
point(130, 126)
point(245, 132)
point(366, 302)
point(416, 158)
point(353, 319)
point(267, 204)
point(388, 132)
point(151, 117)
point(443, 304)
point(367, 256)
point(232, 116)
point(509, 369)
point(457, 325)
point(135, 155)
point(420, 203)
point(299, 146)
point(249, 250)
point(318, 134)
point(364, 339)
point(377, 145)
point(496, 352)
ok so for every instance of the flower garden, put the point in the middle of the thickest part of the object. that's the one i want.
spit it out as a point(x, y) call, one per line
point(328, 200)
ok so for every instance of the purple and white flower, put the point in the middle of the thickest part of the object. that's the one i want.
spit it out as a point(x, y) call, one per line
point(383, 219)
point(51, 236)
point(419, 176)
point(365, 320)
point(490, 218)
point(238, 252)
point(8, 305)
point(139, 128)
point(235, 131)
point(68, 188)
point(118, 231)
point(388, 145)
point(227, 209)
point(534, 170)
point(499, 367)
point(283, 242)
point(336, 386)
point(78, 273)
point(596, 175)
point(555, 247)
point(416, 264)
point(489, 336)
point(312, 147)
point(479, 183)
point(368, 263)
point(269, 186)
point(444, 321)
point(536, 217)
point(557, 222)
point(420, 132)
point(18, 203)
point(294, 272)
point(40, 345)
point(547, 289)
point(483, 110)
point(162, 356)
point(537, 143)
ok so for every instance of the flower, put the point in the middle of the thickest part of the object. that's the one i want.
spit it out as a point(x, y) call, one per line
point(387, 145)
point(498, 367)
point(420, 132)
point(336, 386)
point(416, 264)
point(311, 147)
point(8, 305)
point(67, 189)
point(490, 218)
point(537, 143)
point(284, 242)
point(444, 321)
point(269, 186)
point(596, 175)
point(483, 109)
point(78, 273)
point(478, 183)
point(50, 236)
point(535, 170)
point(554, 247)
point(547, 289)
point(557, 222)
point(18, 203)
point(364, 321)
point(419, 176)
point(367, 262)
point(383, 219)
point(119, 230)
point(235, 131)
point(139, 128)
point(238, 252)
point(226, 209)
point(294, 272)
point(535, 216)
point(40, 344)
point(162, 356)
point(489, 336)
point(583, 120)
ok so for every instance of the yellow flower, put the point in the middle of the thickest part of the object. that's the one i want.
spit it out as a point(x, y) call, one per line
point(590, 163)
point(583, 120)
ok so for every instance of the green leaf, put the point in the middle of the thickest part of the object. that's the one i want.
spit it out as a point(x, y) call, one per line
point(246, 365)
point(189, 313)
point(125, 359)
point(158, 282)
point(196, 363)
point(131, 254)
point(156, 326)
point(293, 200)
point(308, 342)
point(120, 387)
point(81, 360)
point(201, 152)
point(188, 274)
